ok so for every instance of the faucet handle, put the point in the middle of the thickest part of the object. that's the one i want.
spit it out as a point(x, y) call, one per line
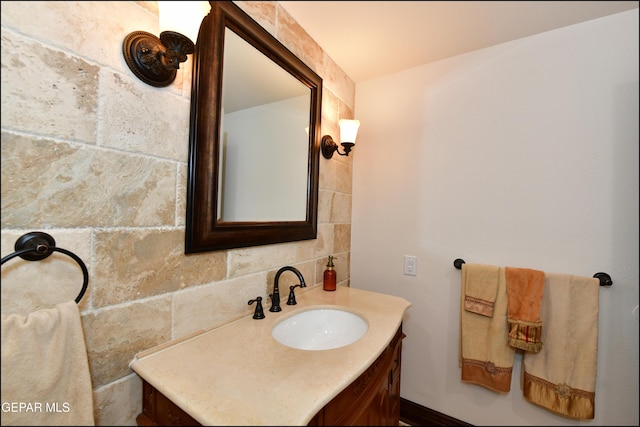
point(259, 313)
point(292, 295)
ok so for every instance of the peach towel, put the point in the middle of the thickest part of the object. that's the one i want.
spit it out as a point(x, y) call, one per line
point(481, 289)
point(484, 355)
point(562, 376)
point(525, 288)
point(45, 370)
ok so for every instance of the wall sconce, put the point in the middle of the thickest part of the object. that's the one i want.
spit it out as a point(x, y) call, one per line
point(155, 60)
point(348, 133)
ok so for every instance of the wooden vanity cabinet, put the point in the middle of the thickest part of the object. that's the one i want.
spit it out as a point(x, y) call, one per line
point(373, 399)
point(158, 410)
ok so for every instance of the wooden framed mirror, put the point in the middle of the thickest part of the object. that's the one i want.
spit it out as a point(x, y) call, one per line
point(254, 138)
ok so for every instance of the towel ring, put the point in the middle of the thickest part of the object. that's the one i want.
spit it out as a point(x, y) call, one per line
point(605, 279)
point(36, 246)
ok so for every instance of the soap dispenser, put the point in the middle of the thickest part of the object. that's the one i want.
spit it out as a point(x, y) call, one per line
point(329, 280)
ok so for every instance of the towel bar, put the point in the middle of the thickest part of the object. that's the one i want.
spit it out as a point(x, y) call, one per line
point(36, 246)
point(605, 279)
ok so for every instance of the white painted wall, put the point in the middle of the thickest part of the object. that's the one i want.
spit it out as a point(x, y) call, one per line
point(257, 142)
point(523, 154)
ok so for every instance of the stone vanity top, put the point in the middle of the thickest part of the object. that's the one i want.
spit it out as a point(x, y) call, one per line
point(238, 374)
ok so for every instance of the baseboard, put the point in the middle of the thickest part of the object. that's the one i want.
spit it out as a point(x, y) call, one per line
point(418, 415)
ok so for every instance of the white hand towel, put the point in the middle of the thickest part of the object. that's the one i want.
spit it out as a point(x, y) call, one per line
point(45, 370)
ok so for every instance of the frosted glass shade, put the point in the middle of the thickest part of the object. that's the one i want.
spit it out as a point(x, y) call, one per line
point(182, 17)
point(348, 130)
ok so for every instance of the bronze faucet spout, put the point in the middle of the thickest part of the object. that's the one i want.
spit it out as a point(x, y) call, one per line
point(275, 296)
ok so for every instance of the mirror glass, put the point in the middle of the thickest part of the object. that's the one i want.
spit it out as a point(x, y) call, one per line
point(254, 138)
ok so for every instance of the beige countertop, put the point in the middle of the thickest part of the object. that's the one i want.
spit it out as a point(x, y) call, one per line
point(238, 374)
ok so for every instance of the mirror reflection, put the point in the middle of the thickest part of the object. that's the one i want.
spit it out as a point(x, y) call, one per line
point(264, 138)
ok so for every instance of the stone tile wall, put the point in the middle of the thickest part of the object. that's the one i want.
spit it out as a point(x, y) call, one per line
point(98, 159)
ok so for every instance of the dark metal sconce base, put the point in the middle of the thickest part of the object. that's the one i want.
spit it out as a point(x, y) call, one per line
point(328, 147)
point(145, 56)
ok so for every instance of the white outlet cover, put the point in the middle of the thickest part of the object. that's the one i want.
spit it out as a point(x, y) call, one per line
point(410, 265)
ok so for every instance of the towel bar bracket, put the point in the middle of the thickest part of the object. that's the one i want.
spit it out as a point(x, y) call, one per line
point(605, 279)
point(37, 246)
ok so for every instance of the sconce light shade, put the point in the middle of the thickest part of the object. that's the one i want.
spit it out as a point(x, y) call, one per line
point(155, 60)
point(348, 134)
point(349, 130)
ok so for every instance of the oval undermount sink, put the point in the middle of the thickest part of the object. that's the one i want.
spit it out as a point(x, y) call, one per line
point(320, 329)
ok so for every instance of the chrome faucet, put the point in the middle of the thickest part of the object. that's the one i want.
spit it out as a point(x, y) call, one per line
point(275, 296)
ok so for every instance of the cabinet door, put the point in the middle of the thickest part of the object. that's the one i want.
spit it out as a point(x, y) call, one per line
point(375, 412)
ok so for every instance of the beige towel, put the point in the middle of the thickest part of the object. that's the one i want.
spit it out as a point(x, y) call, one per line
point(45, 370)
point(481, 289)
point(562, 376)
point(484, 355)
point(525, 288)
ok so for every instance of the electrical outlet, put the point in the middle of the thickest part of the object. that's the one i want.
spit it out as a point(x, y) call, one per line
point(410, 265)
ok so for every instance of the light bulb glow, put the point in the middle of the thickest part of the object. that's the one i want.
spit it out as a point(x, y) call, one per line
point(182, 17)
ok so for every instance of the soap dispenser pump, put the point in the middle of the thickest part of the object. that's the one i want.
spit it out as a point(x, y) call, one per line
point(329, 280)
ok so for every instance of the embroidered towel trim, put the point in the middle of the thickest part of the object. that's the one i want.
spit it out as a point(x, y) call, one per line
point(562, 376)
point(525, 288)
point(45, 364)
point(481, 289)
point(484, 356)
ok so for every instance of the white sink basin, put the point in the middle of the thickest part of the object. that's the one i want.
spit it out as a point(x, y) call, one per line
point(320, 329)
